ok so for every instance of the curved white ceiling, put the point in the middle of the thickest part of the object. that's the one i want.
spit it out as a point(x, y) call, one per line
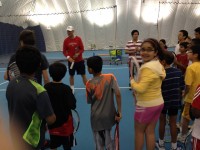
point(104, 22)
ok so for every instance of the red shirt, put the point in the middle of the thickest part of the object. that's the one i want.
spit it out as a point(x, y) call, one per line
point(183, 59)
point(72, 46)
point(65, 129)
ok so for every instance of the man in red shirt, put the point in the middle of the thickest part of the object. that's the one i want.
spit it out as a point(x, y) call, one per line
point(73, 49)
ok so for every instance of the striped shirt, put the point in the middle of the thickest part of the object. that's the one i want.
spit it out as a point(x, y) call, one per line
point(131, 46)
point(172, 87)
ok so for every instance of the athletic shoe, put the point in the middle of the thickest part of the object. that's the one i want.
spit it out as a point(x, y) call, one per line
point(160, 146)
point(181, 137)
point(178, 148)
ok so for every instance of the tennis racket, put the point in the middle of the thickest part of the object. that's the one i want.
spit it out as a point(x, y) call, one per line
point(174, 65)
point(167, 138)
point(76, 123)
point(76, 120)
point(74, 57)
point(72, 65)
point(134, 70)
point(13, 71)
point(116, 136)
point(134, 67)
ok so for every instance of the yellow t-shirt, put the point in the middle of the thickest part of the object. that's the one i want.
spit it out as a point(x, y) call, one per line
point(192, 78)
point(148, 86)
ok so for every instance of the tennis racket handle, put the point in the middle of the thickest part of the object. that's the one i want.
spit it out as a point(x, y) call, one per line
point(72, 65)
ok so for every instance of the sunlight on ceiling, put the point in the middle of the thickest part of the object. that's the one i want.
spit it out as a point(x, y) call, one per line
point(46, 20)
point(197, 11)
point(101, 17)
point(151, 12)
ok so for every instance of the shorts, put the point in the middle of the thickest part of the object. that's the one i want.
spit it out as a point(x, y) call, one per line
point(65, 141)
point(103, 140)
point(79, 67)
point(186, 111)
point(146, 115)
point(195, 144)
point(170, 111)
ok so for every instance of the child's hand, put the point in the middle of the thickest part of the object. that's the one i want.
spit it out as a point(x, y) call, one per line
point(118, 117)
point(131, 77)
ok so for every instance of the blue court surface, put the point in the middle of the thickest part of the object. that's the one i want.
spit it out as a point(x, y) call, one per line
point(84, 135)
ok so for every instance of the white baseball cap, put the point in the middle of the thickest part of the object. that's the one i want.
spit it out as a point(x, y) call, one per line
point(70, 28)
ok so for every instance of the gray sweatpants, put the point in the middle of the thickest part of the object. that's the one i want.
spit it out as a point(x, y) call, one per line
point(103, 139)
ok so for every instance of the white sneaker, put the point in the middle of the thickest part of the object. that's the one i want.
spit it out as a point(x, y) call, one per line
point(181, 137)
point(160, 146)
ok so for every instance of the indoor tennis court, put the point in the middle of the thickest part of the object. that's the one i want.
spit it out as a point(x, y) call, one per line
point(105, 28)
point(84, 134)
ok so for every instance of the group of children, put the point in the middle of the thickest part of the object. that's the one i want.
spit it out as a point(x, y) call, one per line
point(161, 93)
point(180, 83)
point(158, 92)
point(53, 103)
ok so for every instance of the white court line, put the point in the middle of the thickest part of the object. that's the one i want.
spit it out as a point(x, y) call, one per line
point(3, 83)
point(84, 88)
point(3, 90)
point(115, 68)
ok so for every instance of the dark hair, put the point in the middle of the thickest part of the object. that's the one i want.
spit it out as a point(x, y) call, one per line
point(164, 42)
point(195, 41)
point(196, 50)
point(184, 44)
point(185, 33)
point(27, 37)
point(168, 57)
point(95, 63)
point(197, 30)
point(156, 46)
point(28, 59)
point(134, 32)
point(57, 71)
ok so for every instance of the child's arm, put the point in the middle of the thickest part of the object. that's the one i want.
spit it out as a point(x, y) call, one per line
point(118, 100)
point(146, 77)
point(71, 100)
point(180, 65)
point(187, 88)
point(50, 119)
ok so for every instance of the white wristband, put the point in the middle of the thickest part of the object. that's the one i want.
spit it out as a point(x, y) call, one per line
point(68, 57)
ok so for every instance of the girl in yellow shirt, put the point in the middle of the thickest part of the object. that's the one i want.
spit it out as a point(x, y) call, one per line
point(149, 100)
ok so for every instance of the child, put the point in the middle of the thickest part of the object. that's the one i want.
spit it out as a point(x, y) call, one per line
point(62, 100)
point(191, 81)
point(182, 60)
point(172, 87)
point(149, 100)
point(100, 91)
point(27, 37)
point(163, 45)
point(196, 114)
point(28, 103)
